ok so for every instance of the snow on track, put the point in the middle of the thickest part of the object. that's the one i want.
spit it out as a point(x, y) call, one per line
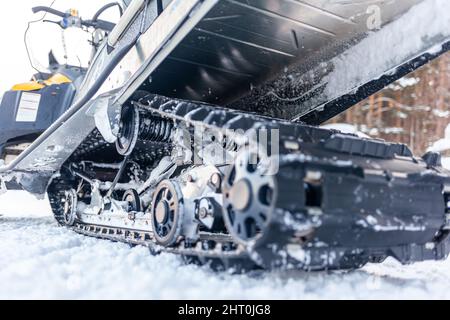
point(40, 260)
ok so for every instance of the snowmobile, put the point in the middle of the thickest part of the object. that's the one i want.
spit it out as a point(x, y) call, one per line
point(29, 108)
point(194, 131)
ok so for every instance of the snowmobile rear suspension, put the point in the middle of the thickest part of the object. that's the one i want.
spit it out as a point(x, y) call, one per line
point(273, 193)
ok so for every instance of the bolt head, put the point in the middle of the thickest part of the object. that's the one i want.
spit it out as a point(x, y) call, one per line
point(216, 181)
point(203, 213)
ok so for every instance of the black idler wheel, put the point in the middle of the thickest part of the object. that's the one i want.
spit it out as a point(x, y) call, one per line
point(70, 201)
point(131, 197)
point(249, 198)
point(129, 131)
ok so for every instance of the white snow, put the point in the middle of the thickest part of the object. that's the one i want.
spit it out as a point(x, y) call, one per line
point(23, 204)
point(408, 82)
point(346, 128)
point(442, 144)
point(40, 260)
point(446, 163)
point(403, 83)
point(440, 113)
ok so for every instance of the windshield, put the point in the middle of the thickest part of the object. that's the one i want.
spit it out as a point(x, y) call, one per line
point(126, 3)
point(71, 46)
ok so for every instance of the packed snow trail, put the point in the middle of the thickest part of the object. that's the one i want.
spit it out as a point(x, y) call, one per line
point(39, 260)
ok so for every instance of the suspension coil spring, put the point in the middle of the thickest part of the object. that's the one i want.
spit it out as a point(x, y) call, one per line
point(155, 129)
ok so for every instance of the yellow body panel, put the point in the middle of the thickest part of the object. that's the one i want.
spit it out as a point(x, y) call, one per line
point(28, 86)
point(35, 85)
point(57, 79)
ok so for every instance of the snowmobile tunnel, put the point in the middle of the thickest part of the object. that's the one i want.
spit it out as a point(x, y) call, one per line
point(286, 58)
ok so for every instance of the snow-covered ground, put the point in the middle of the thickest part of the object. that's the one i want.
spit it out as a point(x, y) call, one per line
point(40, 260)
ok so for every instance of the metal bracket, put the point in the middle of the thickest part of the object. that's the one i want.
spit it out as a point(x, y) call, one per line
point(107, 117)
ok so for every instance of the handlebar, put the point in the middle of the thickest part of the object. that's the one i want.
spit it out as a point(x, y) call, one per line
point(48, 10)
point(97, 23)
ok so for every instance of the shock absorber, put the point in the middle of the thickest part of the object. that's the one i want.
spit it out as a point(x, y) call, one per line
point(137, 126)
point(154, 129)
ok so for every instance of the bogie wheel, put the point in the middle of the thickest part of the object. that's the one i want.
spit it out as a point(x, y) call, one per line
point(131, 197)
point(167, 213)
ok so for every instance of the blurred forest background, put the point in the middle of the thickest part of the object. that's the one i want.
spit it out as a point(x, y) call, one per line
point(414, 110)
